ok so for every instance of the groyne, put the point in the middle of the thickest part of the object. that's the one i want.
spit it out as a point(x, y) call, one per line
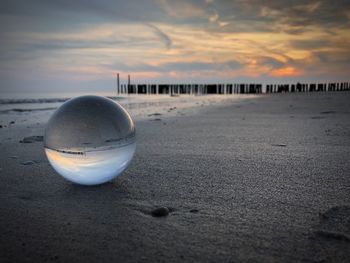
point(229, 88)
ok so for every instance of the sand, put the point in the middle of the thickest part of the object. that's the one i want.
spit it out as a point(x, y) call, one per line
point(259, 180)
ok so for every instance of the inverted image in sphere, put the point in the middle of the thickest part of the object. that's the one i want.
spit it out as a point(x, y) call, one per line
point(90, 140)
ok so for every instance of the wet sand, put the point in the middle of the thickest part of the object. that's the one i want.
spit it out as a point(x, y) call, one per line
point(261, 180)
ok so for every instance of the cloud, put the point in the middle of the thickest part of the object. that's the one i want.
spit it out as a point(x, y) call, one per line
point(181, 66)
point(214, 17)
point(182, 9)
point(270, 62)
point(310, 44)
point(164, 37)
point(286, 72)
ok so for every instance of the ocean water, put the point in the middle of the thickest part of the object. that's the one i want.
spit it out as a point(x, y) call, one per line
point(35, 108)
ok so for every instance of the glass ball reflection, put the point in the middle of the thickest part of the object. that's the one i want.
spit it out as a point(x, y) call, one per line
point(90, 140)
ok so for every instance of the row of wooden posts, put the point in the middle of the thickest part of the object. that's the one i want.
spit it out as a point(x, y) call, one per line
point(197, 89)
point(175, 89)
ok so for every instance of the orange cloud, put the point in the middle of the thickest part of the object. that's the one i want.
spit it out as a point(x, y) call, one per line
point(286, 72)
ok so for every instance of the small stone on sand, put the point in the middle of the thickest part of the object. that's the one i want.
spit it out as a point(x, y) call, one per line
point(155, 114)
point(27, 163)
point(327, 112)
point(279, 145)
point(160, 211)
point(32, 139)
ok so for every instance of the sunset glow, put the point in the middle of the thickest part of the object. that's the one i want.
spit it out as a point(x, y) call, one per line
point(81, 44)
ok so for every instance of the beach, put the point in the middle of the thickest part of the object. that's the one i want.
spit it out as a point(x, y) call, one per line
point(258, 179)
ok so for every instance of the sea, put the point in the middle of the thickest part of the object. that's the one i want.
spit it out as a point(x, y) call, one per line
point(37, 107)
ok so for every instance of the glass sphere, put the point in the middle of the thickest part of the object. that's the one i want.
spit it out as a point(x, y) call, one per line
point(90, 140)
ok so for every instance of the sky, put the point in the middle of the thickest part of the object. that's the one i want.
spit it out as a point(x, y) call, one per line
point(66, 45)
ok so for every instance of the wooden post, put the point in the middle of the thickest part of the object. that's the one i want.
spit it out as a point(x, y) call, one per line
point(118, 84)
point(127, 89)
